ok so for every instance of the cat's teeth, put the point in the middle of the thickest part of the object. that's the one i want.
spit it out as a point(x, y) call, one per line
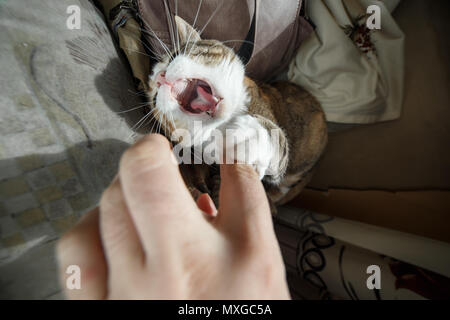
point(179, 86)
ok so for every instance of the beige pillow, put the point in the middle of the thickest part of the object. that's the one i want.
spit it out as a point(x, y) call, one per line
point(353, 82)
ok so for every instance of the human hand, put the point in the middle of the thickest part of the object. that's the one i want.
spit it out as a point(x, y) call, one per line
point(149, 239)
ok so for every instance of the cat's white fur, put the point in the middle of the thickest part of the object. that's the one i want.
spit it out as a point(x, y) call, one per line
point(258, 148)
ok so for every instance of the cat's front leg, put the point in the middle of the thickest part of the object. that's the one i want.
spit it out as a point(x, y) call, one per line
point(259, 142)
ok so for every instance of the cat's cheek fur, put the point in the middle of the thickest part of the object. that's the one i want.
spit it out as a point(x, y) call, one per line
point(227, 77)
point(160, 66)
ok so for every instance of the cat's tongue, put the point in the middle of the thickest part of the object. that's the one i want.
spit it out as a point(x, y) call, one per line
point(205, 100)
point(195, 96)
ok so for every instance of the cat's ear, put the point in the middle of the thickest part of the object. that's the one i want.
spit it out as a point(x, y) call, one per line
point(185, 32)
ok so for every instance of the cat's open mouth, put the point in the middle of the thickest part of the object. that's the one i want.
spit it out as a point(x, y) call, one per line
point(195, 96)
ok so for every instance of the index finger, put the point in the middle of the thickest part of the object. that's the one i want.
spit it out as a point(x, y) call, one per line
point(155, 193)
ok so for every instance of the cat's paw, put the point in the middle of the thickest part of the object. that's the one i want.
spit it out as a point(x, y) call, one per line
point(247, 141)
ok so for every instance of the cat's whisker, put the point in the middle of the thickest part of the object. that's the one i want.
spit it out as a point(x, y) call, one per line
point(171, 25)
point(154, 123)
point(150, 119)
point(157, 126)
point(157, 116)
point(178, 35)
point(136, 51)
point(243, 41)
point(132, 136)
point(166, 126)
point(159, 123)
point(140, 93)
point(137, 126)
point(210, 18)
point(163, 45)
point(204, 27)
point(134, 108)
point(157, 55)
point(193, 26)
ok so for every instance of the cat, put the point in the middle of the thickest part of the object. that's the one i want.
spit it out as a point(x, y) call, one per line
point(204, 81)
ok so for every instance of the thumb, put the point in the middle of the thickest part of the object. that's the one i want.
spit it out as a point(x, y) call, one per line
point(243, 204)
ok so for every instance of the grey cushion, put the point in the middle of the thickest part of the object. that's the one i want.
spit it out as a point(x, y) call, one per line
point(61, 129)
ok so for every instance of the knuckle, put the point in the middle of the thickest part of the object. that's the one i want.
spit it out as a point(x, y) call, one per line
point(246, 172)
point(267, 265)
point(136, 151)
point(254, 240)
point(148, 151)
point(270, 273)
